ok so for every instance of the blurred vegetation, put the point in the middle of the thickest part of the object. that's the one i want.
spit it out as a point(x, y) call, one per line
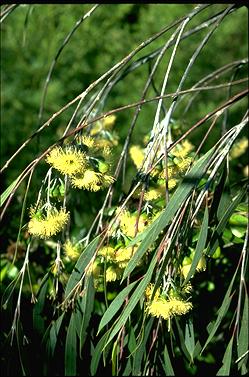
point(31, 36)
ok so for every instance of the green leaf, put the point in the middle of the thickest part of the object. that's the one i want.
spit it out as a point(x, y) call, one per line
point(243, 341)
point(190, 338)
point(141, 349)
point(179, 196)
point(220, 194)
point(182, 341)
point(115, 350)
point(221, 312)
point(115, 306)
point(80, 266)
point(71, 348)
point(4, 196)
point(238, 231)
point(87, 305)
point(38, 321)
point(237, 219)
point(214, 242)
point(226, 361)
point(132, 344)
point(139, 291)
point(128, 368)
point(199, 247)
point(96, 355)
point(53, 334)
point(167, 366)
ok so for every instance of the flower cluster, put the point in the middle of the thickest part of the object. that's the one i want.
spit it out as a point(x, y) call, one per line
point(187, 262)
point(103, 133)
point(86, 164)
point(72, 250)
point(239, 147)
point(111, 262)
point(45, 226)
point(165, 307)
point(179, 160)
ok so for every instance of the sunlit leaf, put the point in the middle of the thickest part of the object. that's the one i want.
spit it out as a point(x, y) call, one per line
point(115, 306)
point(179, 196)
point(4, 196)
point(71, 348)
point(135, 297)
point(87, 305)
point(226, 361)
point(221, 312)
point(167, 366)
point(243, 341)
point(199, 247)
point(81, 264)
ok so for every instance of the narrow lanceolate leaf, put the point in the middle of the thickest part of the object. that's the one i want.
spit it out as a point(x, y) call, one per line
point(141, 352)
point(190, 338)
point(214, 242)
point(80, 266)
point(71, 348)
point(38, 320)
point(199, 247)
point(179, 196)
point(167, 366)
point(87, 306)
point(53, 334)
point(226, 361)
point(4, 196)
point(182, 341)
point(243, 341)
point(115, 306)
point(221, 312)
point(139, 291)
point(96, 354)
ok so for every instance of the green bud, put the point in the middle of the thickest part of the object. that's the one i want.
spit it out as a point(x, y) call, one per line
point(186, 261)
point(103, 167)
point(62, 189)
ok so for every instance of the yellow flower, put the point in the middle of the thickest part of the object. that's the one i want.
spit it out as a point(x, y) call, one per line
point(239, 148)
point(179, 307)
point(182, 149)
point(50, 225)
point(201, 266)
point(185, 269)
point(68, 161)
point(88, 141)
point(128, 223)
point(159, 308)
point(71, 250)
point(108, 252)
point(109, 121)
point(94, 269)
point(89, 180)
point(187, 288)
point(183, 164)
point(168, 308)
point(107, 180)
point(152, 194)
point(149, 290)
point(113, 273)
point(123, 255)
point(107, 151)
point(137, 155)
point(107, 143)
